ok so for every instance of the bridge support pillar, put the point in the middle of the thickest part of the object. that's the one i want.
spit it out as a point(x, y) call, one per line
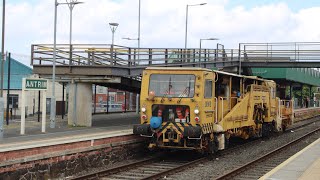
point(80, 104)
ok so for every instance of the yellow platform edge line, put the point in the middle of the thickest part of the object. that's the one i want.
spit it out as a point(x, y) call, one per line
point(274, 170)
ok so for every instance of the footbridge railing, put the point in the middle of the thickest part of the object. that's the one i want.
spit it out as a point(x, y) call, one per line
point(295, 54)
point(287, 51)
point(121, 56)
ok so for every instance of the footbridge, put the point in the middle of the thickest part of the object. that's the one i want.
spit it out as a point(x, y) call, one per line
point(107, 60)
point(121, 67)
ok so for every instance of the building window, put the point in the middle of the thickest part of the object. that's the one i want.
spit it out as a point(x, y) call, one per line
point(111, 99)
point(13, 100)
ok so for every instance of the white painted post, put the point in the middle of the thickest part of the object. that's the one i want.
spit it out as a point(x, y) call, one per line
point(137, 103)
point(44, 111)
point(23, 117)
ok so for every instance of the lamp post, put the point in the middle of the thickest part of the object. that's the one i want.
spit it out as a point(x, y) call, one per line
point(53, 99)
point(2, 71)
point(71, 4)
point(186, 34)
point(2, 44)
point(200, 53)
point(139, 31)
point(113, 27)
point(134, 39)
point(127, 38)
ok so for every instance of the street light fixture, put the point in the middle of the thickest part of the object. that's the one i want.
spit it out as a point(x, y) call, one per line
point(200, 53)
point(139, 26)
point(113, 27)
point(2, 45)
point(2, 69)
point(71, 4)
point(127, 38)
point(53, 99)
point(134, 39)
point(186, 34)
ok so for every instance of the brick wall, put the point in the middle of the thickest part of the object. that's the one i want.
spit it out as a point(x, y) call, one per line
point(68, 159)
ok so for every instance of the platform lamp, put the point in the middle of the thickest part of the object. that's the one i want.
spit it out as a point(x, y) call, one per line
point(53, 99)
point(113, 27)
point(134, 39)
point(186, 34)
point(2, 69)
point(71, 4)
point(200, 52)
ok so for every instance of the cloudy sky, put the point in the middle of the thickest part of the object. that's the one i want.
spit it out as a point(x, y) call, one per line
point(162, 22)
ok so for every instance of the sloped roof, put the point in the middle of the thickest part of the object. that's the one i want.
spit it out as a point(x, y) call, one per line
point(301, 75)
point(17, 72)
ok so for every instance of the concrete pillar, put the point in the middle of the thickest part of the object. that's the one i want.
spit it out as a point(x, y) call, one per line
point(80, 104)
point(130, 101)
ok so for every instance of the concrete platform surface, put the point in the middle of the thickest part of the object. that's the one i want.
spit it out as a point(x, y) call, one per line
point(304, 165)
point(104, 126)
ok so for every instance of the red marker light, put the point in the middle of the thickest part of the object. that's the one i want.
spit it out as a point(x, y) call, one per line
point(197, 119)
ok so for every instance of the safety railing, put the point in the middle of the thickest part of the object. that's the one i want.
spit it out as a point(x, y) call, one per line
point(288, 51)
point(121, 56)
point(109, 55)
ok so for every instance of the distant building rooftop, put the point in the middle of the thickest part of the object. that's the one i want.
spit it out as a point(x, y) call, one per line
point(300, 75)
point(17, 72)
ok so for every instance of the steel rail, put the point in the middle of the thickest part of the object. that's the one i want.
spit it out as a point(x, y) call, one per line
point(238, 170)
point(225, 152)
point(118, 169)
point(114, 170)
point(176, 169)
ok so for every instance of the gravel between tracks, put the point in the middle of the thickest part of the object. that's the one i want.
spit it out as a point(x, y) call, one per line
point(222, 164)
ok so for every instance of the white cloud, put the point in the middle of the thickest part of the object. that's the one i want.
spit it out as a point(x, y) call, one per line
point(162, 23)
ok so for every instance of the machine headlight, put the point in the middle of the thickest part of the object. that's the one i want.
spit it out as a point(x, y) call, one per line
point(196, 111)
point(143, 109)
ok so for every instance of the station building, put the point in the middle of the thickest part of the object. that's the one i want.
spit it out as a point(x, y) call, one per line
point(17, 72)
point(299, 84)
point(102, 95)
point(106, 99)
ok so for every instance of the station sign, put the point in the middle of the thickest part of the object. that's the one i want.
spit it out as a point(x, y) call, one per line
point(36, 84)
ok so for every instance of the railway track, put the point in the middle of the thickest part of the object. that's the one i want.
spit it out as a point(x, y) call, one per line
point(161, 166)
point(258, 167)
point(152, 168)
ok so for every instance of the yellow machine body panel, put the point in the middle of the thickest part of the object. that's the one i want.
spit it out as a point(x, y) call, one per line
point(197, 108)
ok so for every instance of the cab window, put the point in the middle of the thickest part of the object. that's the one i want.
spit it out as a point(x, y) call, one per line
point(208, 89)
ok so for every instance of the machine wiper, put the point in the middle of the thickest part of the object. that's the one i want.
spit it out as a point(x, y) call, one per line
point(184, 93)
point(168, 91)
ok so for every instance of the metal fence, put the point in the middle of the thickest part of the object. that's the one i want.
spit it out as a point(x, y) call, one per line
point(287, 51)
point(108, 55)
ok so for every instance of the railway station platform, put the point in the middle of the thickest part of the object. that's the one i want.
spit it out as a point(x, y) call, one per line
point(56, 149)
point(107, 122)
point(304, 165)
point(104, 126)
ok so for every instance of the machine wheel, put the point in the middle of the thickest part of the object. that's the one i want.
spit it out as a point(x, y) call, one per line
point(226, 142)
point(212, 147)
point(284, 128)
point(266, 129)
